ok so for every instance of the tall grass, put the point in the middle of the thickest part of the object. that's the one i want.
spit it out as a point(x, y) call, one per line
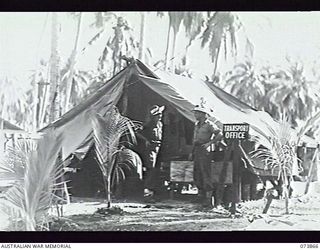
point(32, 167)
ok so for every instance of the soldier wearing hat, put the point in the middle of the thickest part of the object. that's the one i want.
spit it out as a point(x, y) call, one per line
point(206, 134)
point(152, 135)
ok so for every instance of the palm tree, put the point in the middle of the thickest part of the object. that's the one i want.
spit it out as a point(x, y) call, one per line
point(54, 69)
point(280, 155)
point(219, 26)
point(290, 92)
point(32, 167)
point(142, 36)
point(39, 83)
point(111, 157)
point(241, 78)
point(12, 96)
point(194, 23)
point(175, 20)
point(72, 62)
point(81, 81)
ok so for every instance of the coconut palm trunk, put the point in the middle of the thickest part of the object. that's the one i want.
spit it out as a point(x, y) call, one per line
point(45, 101)
point(166, 59)
point(107, 180)
point(2, 115)
point(54, 68)
point(142, 36)
point(216, 61)
point(72, 64)
point(173, 50)
point(35, 107)
point(285, 188)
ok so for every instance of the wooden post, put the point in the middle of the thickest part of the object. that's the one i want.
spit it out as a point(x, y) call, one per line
point(235, 176)
point(269, 197)
point(314, 159)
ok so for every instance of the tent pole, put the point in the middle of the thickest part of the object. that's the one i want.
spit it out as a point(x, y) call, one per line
point(310, 173)
point(235, 177)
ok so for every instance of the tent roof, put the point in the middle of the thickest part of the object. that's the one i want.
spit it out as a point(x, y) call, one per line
point(184, 93)
point(181, 92)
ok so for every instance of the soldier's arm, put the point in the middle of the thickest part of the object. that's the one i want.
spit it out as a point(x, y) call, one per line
point(215, 137)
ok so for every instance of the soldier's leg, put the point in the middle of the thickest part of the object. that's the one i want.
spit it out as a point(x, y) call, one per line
point(197, 178)
point(153, 171)
point(206, 178)
point(219, 191)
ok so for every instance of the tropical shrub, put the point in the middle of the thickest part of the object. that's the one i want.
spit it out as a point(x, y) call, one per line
point(33, 169)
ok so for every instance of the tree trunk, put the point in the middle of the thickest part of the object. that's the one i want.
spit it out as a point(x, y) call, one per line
point(54, 68)
point(44, 106)
point(269, 200)
point(2, 115)
point(109, 191)
point(72, 64)
point(286, 190)
point(166, 60)
point(35, 107)
point(216, 61)
point(287, 201)
point(30, 224)
point(142, 31)
point(173, 51)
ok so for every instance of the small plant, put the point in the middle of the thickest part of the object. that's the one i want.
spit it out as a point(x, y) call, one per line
point(33, 169)
point(112, 158)
point(280, 156)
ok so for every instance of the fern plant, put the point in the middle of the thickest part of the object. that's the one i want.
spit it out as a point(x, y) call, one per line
point(32, 167)
point(113, 158)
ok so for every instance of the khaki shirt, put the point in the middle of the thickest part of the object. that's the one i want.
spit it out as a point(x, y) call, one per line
point(204, 132)
point(153, 131)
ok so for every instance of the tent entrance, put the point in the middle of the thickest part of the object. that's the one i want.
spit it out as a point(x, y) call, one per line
point(177, 130)
point(177, 145)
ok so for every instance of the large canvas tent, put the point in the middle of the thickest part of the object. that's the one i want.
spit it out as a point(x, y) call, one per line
point(181, 92)
point(137, 86)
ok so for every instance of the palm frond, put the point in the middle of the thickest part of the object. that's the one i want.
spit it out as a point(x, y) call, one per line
point(108, 131)
point(131, 160)
point(32, 195)
point(280, 155)
point(310, 122)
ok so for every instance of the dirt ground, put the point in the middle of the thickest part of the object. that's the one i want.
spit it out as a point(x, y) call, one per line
point(174, 215)
point(169, 215)
point(182, 215)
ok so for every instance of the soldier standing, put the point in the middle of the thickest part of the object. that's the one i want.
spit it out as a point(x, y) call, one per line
point(152, 135)
point(206, 134)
